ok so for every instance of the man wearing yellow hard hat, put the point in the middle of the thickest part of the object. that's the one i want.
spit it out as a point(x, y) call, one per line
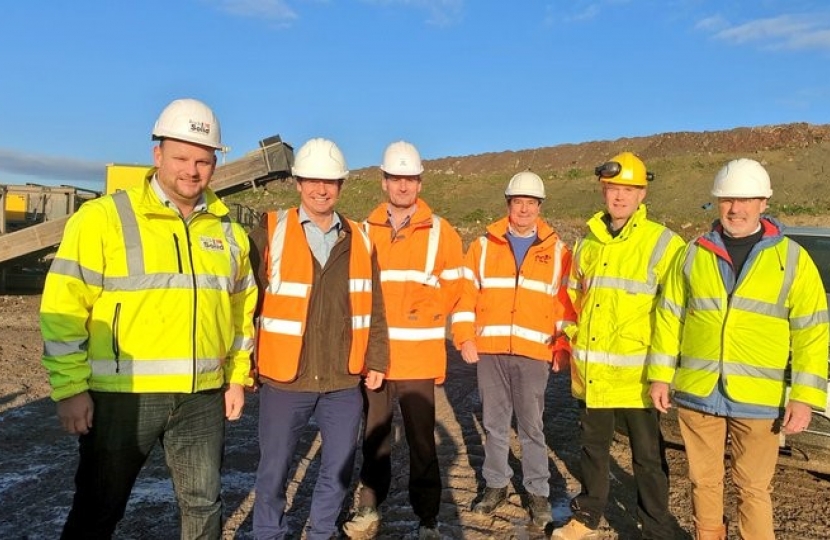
point(616, 275)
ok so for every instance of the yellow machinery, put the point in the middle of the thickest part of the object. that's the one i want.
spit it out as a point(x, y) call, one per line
point(16, 206)
point(120, 176)
point(32, 216)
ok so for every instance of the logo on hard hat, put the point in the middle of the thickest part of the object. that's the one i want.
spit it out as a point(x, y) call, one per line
point(200, 127)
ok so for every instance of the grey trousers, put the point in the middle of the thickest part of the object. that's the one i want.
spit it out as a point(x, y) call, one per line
point(511, 384)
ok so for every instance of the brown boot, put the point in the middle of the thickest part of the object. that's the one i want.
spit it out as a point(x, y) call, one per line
point(710, 533)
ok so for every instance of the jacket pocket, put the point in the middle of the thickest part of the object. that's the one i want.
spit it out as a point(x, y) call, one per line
point(116, 348)
point(346, 336)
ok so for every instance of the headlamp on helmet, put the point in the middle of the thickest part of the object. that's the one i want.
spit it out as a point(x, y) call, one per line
point(624, 168)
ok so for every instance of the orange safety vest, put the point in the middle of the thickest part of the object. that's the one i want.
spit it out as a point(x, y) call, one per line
point(522, 313)
point(420, 272)
point(286, 298)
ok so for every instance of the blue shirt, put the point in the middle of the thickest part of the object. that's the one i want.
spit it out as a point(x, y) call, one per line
point(520, 245)
point(319, 241)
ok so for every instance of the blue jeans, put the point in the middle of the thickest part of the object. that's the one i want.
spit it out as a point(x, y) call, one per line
point(282, 417)
point(516, 384)
point(125, 428)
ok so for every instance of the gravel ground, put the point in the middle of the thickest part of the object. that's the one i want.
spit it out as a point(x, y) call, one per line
point(37, 462)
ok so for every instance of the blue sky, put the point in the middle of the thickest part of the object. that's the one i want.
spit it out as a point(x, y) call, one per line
point(81, 83)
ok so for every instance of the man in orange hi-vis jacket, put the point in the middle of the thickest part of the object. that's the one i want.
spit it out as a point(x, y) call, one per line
point(510, 321)
point(420, 258)
point(321, 331)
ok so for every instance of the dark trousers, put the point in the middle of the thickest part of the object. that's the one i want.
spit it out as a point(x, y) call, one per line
point(125, 427)
point(417, 402)
point(649, 463)
point(283, 415)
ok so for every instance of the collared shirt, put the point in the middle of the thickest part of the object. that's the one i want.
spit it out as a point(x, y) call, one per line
point(404, 222)
point(319, 241)
point(201, 204)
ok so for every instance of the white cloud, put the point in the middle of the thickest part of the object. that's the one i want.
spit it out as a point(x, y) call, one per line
point(586, 14)
point(441, 12)
point(51, 167)
point(580, 10)
point(789, 32)
point(712, 24)
point(273, 10)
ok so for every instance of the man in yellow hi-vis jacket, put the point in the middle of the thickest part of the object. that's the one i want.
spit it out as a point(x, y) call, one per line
point(739, 302)
point(147, 321)
point(617, 272)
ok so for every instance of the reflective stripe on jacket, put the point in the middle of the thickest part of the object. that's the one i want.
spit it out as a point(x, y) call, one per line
point(137, 300)
point(506, 312)
point(712, 324)
point(420, 273)
point(614, 285)
point(286, 299)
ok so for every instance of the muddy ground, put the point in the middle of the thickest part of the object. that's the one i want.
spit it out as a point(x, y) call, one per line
point(37, 463)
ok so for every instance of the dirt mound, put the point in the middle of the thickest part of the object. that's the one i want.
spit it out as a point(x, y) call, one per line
point(738, 141)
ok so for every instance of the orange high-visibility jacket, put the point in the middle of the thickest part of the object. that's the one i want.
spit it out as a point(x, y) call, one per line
point(506, 312)
point(286, 298)
point(420, 273)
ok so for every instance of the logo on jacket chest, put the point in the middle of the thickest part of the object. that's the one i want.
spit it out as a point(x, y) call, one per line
point(543, 258)
point(211, 244)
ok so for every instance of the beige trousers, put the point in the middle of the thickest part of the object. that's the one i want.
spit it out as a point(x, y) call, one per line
point(754, 451)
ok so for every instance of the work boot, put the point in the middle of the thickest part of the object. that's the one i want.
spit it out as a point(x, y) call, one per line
point(538, 507)
point(710, 533)
point(364, 524)
point(492, 499)
point(428, 530)
point(574, 530)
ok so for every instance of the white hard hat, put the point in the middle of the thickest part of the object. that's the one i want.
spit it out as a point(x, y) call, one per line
point(742, 178)
point(525, 184)
point(320, 159)
point(402, 159)
point(189, 120)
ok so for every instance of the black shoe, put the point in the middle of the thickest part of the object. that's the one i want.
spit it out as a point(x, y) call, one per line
point(539, 508)
point(492, 499)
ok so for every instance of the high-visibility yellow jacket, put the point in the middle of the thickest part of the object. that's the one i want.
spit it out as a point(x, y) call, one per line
point(420, 272)
point(285, 304)
point(139, 301)
point(711, 324)
point(614, 285)
point(508, 312)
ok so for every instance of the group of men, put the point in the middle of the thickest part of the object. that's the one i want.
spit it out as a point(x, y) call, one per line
point(148, 322)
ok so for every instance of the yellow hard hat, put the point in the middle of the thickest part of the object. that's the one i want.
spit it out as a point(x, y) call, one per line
point(625, 168)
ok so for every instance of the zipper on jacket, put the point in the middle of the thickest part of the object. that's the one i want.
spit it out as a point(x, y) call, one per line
point(195, 297)
point(178, 253)
point(116, 350)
